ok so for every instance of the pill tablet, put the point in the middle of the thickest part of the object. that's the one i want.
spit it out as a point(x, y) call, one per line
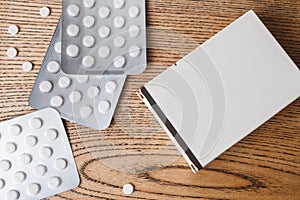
point(111, 86)
point(73, 30)
point(104, 31)
point(57, 47)
point(86, 111)
point(88, 41)
point(56, 101)
point(19, 177)
point(27, 66)
point(93, 92)
point(119, 22)
point(134, 11)
point(134, 51)
point(45, 86)
point(88, 61)
point(128, 189)
point(45, 11)
point(104, 51)
point(119, 61)
point(73, 51)
point(2, 184)
point(75, 97)
point(104, 106)
point(12, 52)
point(25, 159)
point(13, 29)
point(64, 82)
point(53, 67)
point(73, 10)
point(89, 21)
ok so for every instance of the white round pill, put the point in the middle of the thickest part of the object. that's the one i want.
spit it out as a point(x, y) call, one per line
point(13, 29)
point(104, 106)
point(27, 66)
point(88, 3)
point(15, 130)
point(51, 134)
point(93, 92)
point(64, 82)
point(73, 30)
point(54, 182)
point(104, 31)
point(89, 21)
point(40, 170)
point(33, 189)
point(57, 47)
point(104, 51)
point(82, 79)
point(61, 164)
point(86, 111)
point(88, 41)
point(20, 177)
point(73, 50)
point(119, 41)
point(31, 140)
point(75, 97)
point(110, 86)
point(134, 11)
point(119, 61)
point(12, 52)
point(46, 152)
point(104, 12)
point(53, 67)
point(119, 3)
point(25, 159)
point(45, 86)
point(10, 147)
point(128, 189)
point(88, 61)
point(56, 101)
point(45, 11)
point(119, 22)
point(35, 123)
point(5, 165)
point(2, 184)
point(73, 10)
point(134, 31)
point(13, 195)
point(134, 51)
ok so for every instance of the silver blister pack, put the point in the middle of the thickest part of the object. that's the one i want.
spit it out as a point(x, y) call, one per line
point(104, 37)
point(36, 159)
point(86, 100)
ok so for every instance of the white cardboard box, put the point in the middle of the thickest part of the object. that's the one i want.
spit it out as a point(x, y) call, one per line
point(223, 90)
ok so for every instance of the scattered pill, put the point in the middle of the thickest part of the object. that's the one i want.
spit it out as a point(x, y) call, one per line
point(27, 66)
point(12, 52)
point(128, 189)
point(13, 29)
point(45, 11)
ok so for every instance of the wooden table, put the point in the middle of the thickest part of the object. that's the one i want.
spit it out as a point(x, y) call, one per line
point(264, 165)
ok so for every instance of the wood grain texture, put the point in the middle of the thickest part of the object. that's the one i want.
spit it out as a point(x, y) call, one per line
point(264, 165)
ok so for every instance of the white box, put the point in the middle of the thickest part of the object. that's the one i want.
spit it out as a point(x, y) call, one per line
point(223, 90)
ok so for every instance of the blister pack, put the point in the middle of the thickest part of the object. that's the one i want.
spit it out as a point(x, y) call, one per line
point(86, 100)
point(104, 37)
point(36, 159)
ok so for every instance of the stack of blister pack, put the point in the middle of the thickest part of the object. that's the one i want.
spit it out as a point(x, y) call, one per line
point(95, 46)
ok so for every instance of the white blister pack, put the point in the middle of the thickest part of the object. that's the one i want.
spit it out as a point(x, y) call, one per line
point(104, 37)
point(223, 90)
point(86, 100)
point(36, 159)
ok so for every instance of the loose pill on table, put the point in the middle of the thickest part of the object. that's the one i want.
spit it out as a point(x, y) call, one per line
point(45, 11)
point(27, 66)
point(128, 189)
point(13, 29)
point(12, 52)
